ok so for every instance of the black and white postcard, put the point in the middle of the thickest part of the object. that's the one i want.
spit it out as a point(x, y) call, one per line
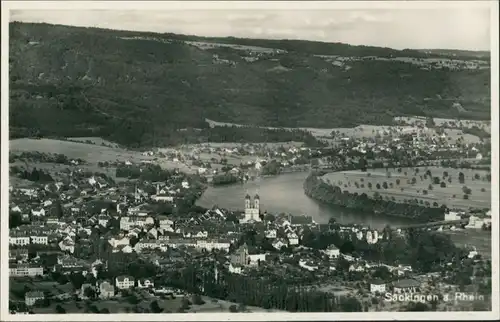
point(259, 160)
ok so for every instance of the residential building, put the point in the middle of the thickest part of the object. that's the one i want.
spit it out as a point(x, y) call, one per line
point(18, 238)
point(240, 256)
point(406, 286)
point(124, 282)
point(40, 239)
point(30, 298)
point(293, 239)
point(332, 251)
point(377, 286)
point(452, 215)
point(18, 255)
point(25, 270)
point(145, 283)
point(106, 290)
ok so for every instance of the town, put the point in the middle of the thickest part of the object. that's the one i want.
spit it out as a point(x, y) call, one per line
point(136, 241)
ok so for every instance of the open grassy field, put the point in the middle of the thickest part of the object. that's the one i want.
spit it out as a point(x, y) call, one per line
point(91, 153)
point(477, 238)
point(94, 140)
point(400, 186)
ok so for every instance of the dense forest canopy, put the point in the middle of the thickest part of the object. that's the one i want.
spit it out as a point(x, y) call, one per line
point(73, 81)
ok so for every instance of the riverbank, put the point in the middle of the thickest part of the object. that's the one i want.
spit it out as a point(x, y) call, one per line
point(318, 190)
point(285, 194)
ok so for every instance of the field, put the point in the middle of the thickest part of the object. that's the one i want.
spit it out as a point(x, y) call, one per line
point(94, 140)
point(91, 153)
point(369, 131)
point(400, 187)
point(478, 238)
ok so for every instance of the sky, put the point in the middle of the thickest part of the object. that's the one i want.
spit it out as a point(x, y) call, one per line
point(461, 27)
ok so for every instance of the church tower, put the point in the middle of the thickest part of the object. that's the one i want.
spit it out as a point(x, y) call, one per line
point(247, 202)
point(256, 202)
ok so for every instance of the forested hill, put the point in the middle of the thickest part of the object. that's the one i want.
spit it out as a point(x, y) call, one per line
point(130, 87)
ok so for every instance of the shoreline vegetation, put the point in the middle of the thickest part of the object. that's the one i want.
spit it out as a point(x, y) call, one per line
point(318, 190)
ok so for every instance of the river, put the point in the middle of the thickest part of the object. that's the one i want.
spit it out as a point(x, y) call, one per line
point(284, 194)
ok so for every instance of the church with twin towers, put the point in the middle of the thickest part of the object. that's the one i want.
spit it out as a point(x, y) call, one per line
point(252, 209)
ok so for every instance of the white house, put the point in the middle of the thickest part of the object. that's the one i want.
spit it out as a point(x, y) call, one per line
point(278, 243)
point(145, 283)
point(452, 215)
point(332, 251)
point(38, 212)
point(293, 239)
point(476, 222)
point(40, 239)
point(377, 286)
point(19, 240)
point(124, 282)
point(162, 198)
point(235, 269)
point(271, 234)
point(67, 245)
point(256, 258)
point(310, 267)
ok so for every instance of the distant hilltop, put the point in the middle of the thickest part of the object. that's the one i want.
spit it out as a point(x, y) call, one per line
point(138, 88)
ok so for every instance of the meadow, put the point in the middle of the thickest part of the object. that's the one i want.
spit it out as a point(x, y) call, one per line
point(91, 153)
point(411, 183)
point(366, 131)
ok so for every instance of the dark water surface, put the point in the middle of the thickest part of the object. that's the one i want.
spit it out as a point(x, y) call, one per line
point(284, 194)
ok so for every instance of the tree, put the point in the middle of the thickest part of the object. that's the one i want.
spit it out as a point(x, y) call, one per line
point(413, 180)
point(269, 218)
point(443, 184)
point(466, 190)
point(369, 184)
point(15, 219)
point(445, 174)
point(384, 185)
point(398, 181)
point(466, 197)
point(233, 309)
point(132, 299)
point(477, 176)
point(424, 192)
point(154, 307)
point(104, 310)
point(430, 187)
point(351, 304)
point(461, 177)
point(89, 292)
point(197, 300)
point(378, 185)
point(59, 309)
point(436, 180)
